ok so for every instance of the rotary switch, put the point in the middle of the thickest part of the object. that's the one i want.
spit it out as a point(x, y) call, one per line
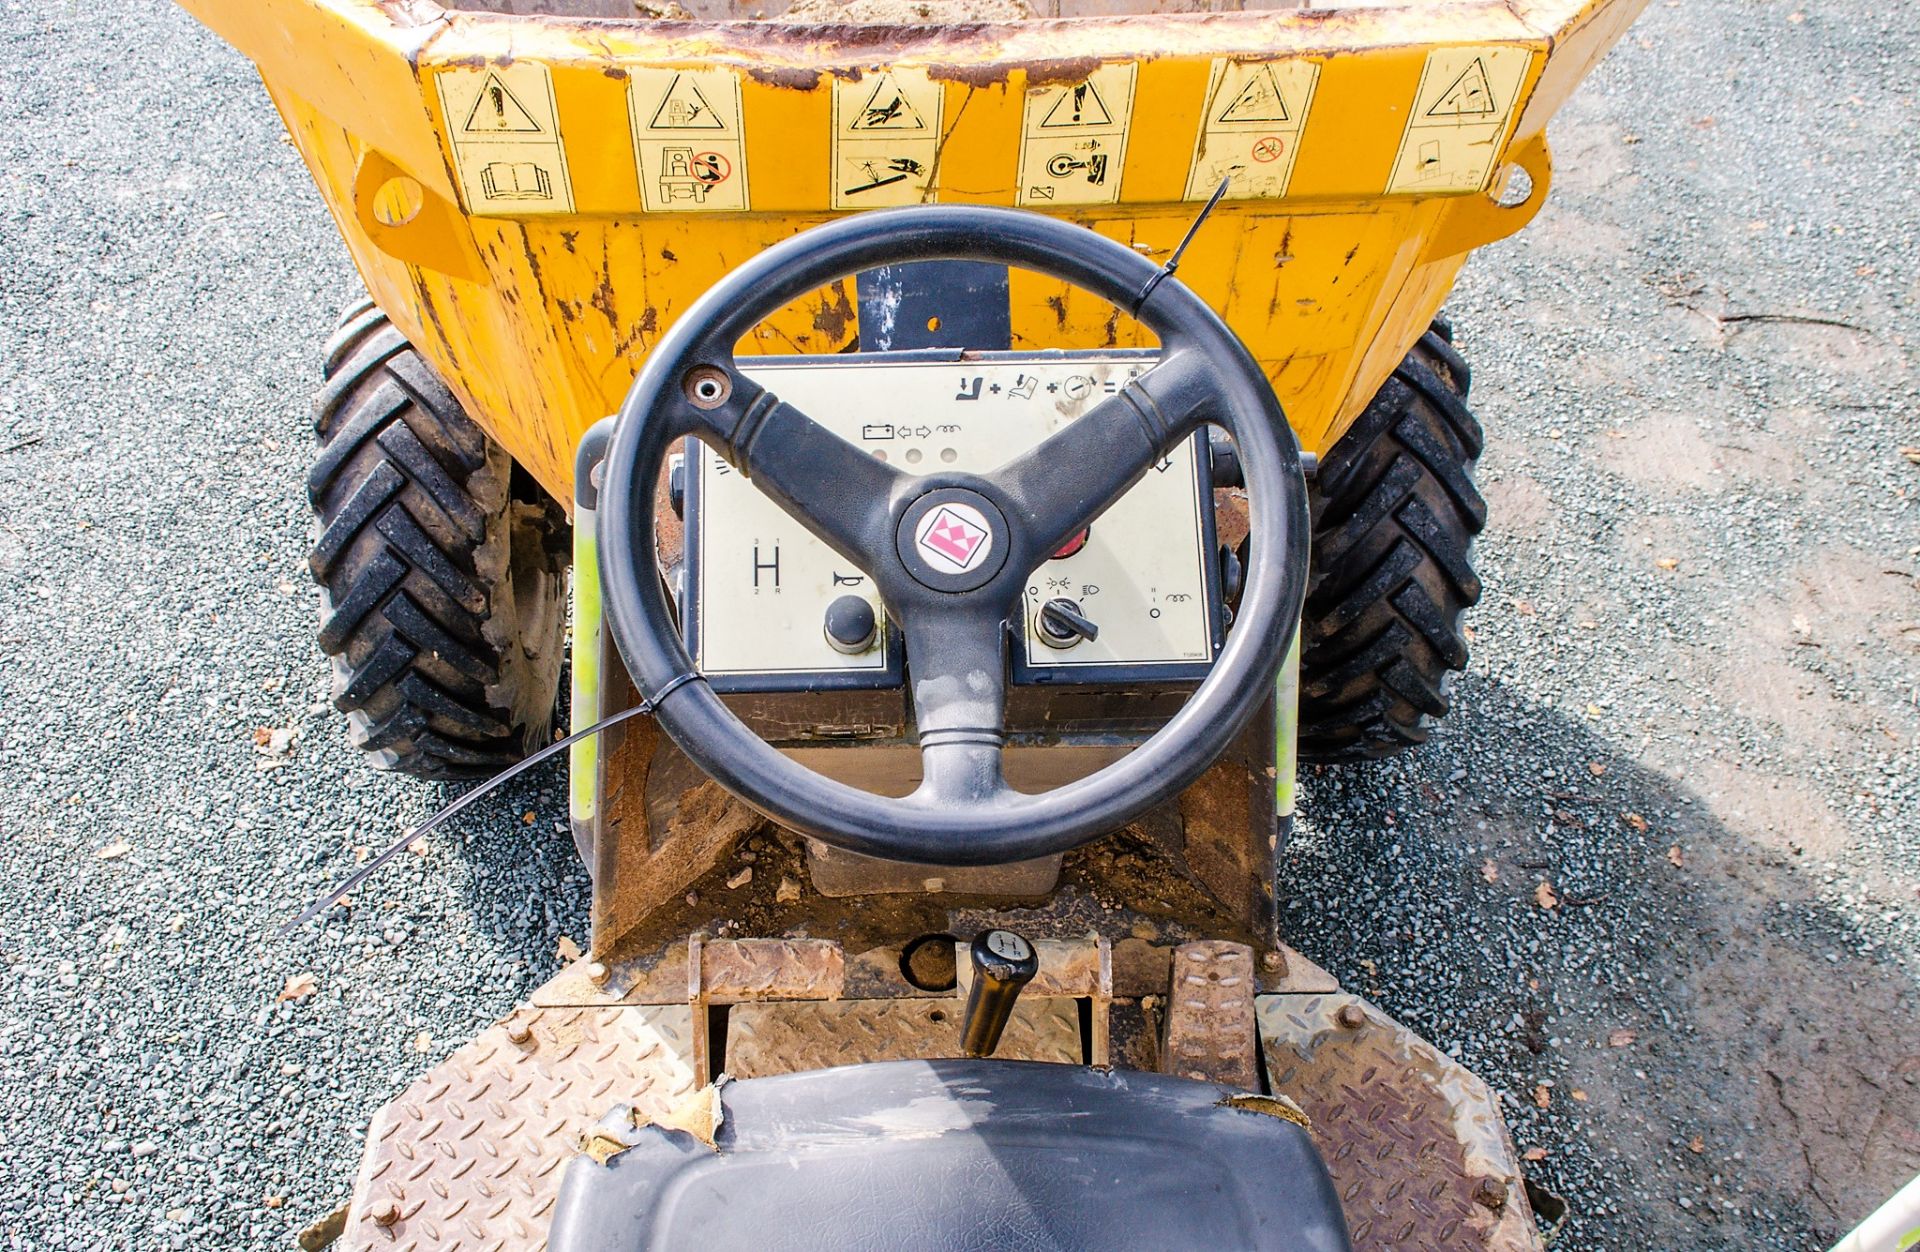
point(1063, 625)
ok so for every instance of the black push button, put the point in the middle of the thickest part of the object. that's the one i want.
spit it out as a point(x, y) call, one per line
point(850, 625)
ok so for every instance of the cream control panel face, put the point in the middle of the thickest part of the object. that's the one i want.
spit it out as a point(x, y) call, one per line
point(768, 607)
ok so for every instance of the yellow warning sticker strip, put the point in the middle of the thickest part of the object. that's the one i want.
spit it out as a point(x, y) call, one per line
point(506, 139)
point(1074, 140)
point(886, 138)
point(1250, 130)
point(1458, 120)
point(687, 140)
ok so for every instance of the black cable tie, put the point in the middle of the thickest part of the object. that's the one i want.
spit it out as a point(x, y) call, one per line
point(672, 685)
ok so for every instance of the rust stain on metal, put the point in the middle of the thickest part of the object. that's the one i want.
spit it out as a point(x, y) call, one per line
point(1140, 968)
point(835, 313)
point(1039, 73)
point(737, 970)
point(472, 1153)
point(603, 300)
point(1068, 967)
point(790, 77)
point(1210, 1022)
point(1415, 1143)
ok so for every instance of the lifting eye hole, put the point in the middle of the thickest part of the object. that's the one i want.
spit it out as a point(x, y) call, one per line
point(707, 387)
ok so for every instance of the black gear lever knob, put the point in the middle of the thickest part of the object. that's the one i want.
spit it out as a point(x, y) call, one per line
point(1003, 963)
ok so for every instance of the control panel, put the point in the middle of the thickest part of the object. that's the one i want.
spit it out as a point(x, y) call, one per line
point(1132, 598)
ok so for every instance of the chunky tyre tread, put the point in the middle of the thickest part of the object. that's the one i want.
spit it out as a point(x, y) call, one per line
point(1395, 513)
point(423, 553)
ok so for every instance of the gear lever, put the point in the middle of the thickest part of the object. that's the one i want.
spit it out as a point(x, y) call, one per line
point(1003, 963)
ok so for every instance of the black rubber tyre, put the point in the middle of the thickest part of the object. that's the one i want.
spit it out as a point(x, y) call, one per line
point(1395, 513)
point(442, 566)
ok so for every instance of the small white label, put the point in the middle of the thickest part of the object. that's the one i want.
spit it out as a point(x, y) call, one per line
point(1008, 946)
point(506, 139)
point(886, 138)
point(1074, 142)
point(1251, 131)
point(1459, 119)
point(687, 140)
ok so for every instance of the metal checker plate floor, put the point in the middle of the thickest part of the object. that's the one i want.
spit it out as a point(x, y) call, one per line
point(1415, 1143)
point(469, 1158)
point(767, 1039)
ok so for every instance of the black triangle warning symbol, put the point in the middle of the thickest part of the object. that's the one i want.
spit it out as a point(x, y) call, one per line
point(684, 108)
point(1078, 106)
point(1259, 101)
point(496, 112)
point(887, 109)
point(1470, 96)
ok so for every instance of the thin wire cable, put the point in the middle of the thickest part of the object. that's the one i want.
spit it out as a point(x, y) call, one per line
point(400, 845)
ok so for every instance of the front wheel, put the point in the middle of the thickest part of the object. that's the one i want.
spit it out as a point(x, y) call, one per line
point(1395, 513)
point(442, 567)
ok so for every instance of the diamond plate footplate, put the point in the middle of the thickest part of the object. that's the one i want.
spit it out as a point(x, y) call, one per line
point(1210, 1015)
point(784, 1038)
point(468, 1158)
point(1417, 1147)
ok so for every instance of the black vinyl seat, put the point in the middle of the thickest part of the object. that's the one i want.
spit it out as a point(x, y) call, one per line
point(961, 1156)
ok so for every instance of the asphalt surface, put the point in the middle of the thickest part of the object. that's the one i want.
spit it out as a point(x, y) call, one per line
point(1691, 713)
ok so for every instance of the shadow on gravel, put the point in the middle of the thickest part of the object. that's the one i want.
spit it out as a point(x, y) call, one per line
point(525, 883)
point(1707, 1054)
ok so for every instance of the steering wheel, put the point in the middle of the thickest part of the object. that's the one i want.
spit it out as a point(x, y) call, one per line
point(950, 553)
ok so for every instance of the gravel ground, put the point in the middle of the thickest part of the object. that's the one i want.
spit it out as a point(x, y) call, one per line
point(1691, 712)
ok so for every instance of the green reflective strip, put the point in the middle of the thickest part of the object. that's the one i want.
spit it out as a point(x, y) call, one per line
point(583, 759)
point(1286, 729)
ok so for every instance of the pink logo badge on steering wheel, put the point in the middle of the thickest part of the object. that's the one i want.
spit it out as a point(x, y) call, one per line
point(954, 538)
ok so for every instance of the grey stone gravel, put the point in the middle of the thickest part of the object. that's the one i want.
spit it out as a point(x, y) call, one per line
point(1650, 397)
point(166, 272)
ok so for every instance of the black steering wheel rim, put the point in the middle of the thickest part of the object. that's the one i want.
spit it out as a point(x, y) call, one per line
point(959, 819)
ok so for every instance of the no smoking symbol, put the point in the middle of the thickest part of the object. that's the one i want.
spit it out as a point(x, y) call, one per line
point(1268, 148)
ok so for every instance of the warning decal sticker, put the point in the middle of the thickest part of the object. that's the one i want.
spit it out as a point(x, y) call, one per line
point(687, 140)
point(497, 111)
point(506, 139)
point(1458, 120)
point(886, 138)
point(1074, 141)
point(1251, 128)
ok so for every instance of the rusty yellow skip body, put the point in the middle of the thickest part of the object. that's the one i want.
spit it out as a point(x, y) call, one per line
point(534, 199)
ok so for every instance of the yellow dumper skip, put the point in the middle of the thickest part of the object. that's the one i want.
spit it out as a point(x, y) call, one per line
point(534, 199)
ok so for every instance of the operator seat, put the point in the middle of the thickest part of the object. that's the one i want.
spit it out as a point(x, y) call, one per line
point(961, 1156)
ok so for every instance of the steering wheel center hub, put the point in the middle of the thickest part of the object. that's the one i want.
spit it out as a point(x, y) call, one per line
point(952, 539)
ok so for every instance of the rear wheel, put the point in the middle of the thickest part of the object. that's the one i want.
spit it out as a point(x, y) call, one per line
point(1395, 513)
point(442, 566)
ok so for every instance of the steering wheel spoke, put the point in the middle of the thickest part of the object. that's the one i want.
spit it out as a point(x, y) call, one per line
point(828, 485)
point(958, 661)
point(1067, 480)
